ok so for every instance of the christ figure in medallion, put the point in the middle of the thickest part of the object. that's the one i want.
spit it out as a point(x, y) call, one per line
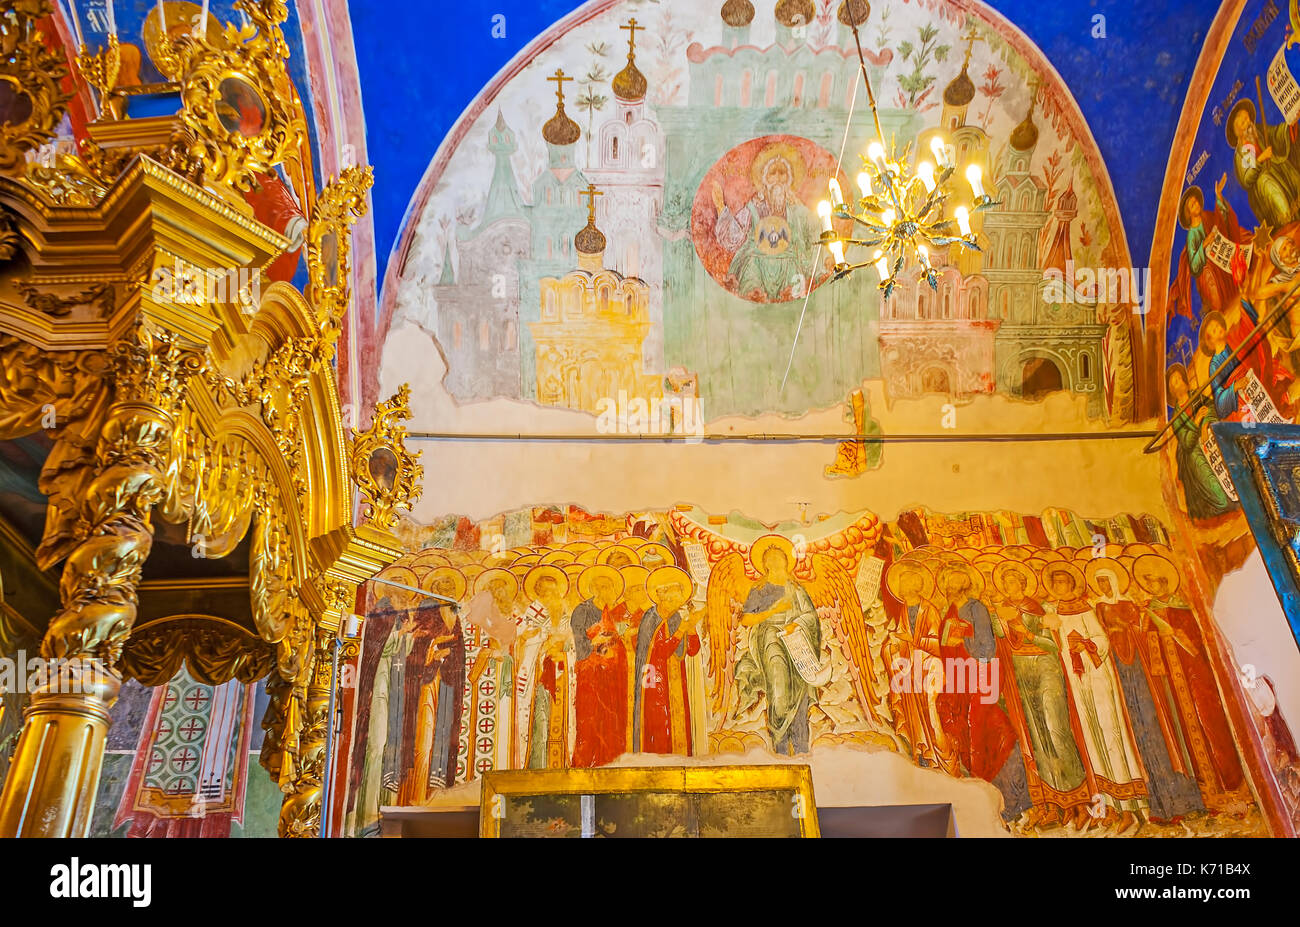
point(772, 236)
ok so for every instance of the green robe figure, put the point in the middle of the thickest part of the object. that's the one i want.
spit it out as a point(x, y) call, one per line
point(1263, 164)
point(772, 237)
point(777, 606)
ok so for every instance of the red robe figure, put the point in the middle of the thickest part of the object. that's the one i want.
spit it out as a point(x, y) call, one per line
point(431, 715)
point(1214, 753)
point(971, 716)
point(661, 722)
point(274, 206)
point(601, 699)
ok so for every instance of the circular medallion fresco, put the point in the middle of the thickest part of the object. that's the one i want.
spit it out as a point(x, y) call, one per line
point(754, 221)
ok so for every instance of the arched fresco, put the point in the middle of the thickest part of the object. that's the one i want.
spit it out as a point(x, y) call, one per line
point(1229, 227)
point(657, 115)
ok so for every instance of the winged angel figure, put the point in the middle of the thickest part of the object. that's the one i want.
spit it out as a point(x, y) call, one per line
point(765, 639)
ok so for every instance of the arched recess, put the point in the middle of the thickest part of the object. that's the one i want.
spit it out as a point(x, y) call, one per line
point(1016, 364)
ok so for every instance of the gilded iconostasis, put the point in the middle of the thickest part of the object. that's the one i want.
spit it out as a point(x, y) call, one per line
point(692, 495)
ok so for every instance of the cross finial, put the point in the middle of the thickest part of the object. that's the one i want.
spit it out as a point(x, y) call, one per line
point(559, 77)
point(970, 38)
point(591, 193)
point(631, 26)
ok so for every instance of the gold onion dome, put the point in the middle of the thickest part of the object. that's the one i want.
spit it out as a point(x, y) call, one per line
point(1025, 135)
point(590, 240)
point(960, 91)
point(854, 12)
point(737, 13)
point(791, 13)
point(629, 84)
point(560, 129)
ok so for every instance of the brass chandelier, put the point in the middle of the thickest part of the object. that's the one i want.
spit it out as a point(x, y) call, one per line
point(900, 209)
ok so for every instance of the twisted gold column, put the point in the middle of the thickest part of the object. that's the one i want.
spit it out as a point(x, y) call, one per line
point(50, 789)
point(300, 814)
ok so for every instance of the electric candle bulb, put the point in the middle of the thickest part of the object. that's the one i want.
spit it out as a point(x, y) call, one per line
point(882, 266)
point(824, 210)
point(923, 255)
point(973, 175)
point(925, 170)
point(112, 20)
point(963, 220)
point(864, 183)
point(888, 217)
point(876, 152)
point(837, 195)
point(940, 150)
point(837, 251)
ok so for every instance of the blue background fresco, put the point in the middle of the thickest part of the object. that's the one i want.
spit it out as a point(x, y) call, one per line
point(423, 62)
point(1242, 64)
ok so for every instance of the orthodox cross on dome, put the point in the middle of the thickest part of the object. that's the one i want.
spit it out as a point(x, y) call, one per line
point(559, 77)
point(560, 129)
point(631, 26)
point(629, 84)
point(970, 38)
point(591, 193)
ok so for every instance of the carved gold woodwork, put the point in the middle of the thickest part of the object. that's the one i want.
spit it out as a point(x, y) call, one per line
point(68, 181)
point(213, 649)
point(220, 415)
point(64, 393)
point(100, 69)
point(32, 71)
point(387, 475)
point(248, 63)
point(150, 369)
point(300, 814)
point(329, 246)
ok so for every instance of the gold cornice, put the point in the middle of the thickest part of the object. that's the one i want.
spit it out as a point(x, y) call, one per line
point(142, 172)
point(150, 218)
point(198, 616)
point(355, 554)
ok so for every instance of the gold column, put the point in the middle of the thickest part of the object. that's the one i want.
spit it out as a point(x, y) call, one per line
point(50, 789)
point(301, 812)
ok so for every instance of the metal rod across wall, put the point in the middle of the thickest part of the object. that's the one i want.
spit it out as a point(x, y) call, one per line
point(824, 437)
point(424, 592)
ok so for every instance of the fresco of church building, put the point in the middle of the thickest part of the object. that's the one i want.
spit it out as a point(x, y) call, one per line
point(677, 196)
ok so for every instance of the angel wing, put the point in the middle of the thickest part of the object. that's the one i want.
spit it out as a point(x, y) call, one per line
point(831, 588)
point(727, 585)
